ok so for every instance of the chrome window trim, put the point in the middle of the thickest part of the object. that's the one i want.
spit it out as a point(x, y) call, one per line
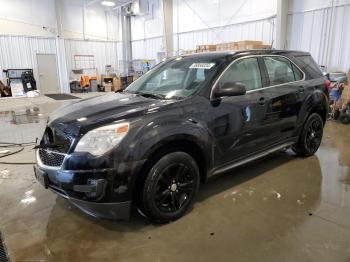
point(41, 164)
point(262, 88)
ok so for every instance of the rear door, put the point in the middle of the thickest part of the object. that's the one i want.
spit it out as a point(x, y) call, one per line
point(238, 123)
point(286, 92)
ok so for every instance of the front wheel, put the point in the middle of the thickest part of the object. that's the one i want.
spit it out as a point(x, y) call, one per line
point(170, 187)
point(310, 137)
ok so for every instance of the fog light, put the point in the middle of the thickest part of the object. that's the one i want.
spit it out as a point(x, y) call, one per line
point(94, 188)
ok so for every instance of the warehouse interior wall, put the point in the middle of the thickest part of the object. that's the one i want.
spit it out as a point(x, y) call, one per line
point(321, 28)
point(66, 28)
point(57, 27)
point(97, 24)
point(147, 30)
point(219, 21)
point(28, 18)
point(203, 22)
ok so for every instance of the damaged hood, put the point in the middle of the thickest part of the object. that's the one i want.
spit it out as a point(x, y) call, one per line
point(93, 112)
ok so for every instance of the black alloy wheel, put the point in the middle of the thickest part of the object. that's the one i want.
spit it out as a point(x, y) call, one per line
point(311, 136)
point(314, 135)
point(174, 187)
point(170, 187)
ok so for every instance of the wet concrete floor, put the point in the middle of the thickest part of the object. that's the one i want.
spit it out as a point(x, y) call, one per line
point(281, 208)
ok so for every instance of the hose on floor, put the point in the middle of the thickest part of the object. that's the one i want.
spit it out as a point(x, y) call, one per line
point(20, 149)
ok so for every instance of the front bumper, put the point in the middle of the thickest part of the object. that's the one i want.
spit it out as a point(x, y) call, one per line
point(100, 192)
point(109, 210)
point(115, 210)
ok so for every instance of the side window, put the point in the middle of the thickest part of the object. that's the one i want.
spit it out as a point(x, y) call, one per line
point(245, 71)
point(297, 73)
point(310, 65)
point(280, 70)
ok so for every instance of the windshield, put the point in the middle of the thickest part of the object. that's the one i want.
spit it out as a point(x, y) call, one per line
point(175, 79)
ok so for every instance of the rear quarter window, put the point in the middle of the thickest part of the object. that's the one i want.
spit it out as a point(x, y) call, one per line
point(280, 70)
point(308, 64)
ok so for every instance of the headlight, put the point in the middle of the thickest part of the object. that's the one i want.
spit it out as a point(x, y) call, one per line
point(100, 140)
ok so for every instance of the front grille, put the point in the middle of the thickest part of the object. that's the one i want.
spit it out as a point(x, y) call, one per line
point(50, 158)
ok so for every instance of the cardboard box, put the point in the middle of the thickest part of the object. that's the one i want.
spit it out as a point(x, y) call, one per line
point(345, 95)
point(210, 47)
point(117, 85)
point(108, 87)
point(220, 47)
point(205, 48)
point(232, 46)
point(258, 46)
point(242, 45)
point(227, 46)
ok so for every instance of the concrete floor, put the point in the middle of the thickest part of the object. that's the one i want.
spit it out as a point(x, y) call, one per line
point(281, 208)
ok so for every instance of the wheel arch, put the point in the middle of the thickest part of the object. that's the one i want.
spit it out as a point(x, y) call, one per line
point(317, 102)
point(184, 143)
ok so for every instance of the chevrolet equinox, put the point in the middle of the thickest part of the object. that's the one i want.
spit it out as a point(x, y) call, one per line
point(186, 120)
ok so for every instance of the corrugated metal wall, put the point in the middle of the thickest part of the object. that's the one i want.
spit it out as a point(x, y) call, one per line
point(263, 30)
point(147, 48)
point(324, 33)
point(105, 53)
point(20, 52)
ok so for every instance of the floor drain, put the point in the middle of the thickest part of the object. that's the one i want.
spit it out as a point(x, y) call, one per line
point(3, 255)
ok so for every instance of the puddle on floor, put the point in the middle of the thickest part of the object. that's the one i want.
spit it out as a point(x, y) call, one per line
point(22, 116)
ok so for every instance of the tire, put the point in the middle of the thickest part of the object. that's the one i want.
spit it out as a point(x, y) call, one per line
point(310, 137)
point(170, 187)
point(345, 119)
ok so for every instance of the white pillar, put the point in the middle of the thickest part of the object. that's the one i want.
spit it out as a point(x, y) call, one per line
point(282, 23)
point(168, 42)
point(126, 39)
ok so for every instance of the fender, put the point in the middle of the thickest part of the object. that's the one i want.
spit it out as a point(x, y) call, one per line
point(317, 101)
point(155, 135)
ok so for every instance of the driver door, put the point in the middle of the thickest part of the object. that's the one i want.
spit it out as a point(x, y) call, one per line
point(239, 124)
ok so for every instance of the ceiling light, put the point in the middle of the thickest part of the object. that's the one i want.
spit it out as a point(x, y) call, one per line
point(108, 3)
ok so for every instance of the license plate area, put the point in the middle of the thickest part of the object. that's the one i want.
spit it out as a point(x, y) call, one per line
point(41, 177)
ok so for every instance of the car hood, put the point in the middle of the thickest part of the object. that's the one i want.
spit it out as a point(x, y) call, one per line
point(93, 112)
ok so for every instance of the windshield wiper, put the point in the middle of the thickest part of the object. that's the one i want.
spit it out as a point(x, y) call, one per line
point(150, 95)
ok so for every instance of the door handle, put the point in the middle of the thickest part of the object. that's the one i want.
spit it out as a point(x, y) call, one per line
point(261, 101)
point(301, 89)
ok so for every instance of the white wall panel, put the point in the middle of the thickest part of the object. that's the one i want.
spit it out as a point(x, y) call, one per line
point(150, 25)
point(211, 22)
point(256, 30)
point(322, 32)
point(20, 52)
point(190, 15)
point(100, 24)
point(146, 49)
point(204, 22)
point(296, 6)
point(18, 17)
point(105, 53)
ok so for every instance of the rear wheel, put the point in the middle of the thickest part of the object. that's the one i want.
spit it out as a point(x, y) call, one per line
point(170, 187)
point(310, 137)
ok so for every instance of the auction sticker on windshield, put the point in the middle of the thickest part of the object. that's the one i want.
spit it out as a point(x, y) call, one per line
point(202, 65)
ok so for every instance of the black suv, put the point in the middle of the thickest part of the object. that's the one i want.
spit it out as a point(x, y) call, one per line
point(187, 119)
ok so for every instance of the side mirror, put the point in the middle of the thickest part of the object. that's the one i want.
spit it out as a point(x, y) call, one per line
point(230, 89)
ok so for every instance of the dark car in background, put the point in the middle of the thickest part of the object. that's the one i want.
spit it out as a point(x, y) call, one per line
point(186, 120)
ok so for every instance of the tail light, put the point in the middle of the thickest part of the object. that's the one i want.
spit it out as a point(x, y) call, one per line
point(328, 87)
